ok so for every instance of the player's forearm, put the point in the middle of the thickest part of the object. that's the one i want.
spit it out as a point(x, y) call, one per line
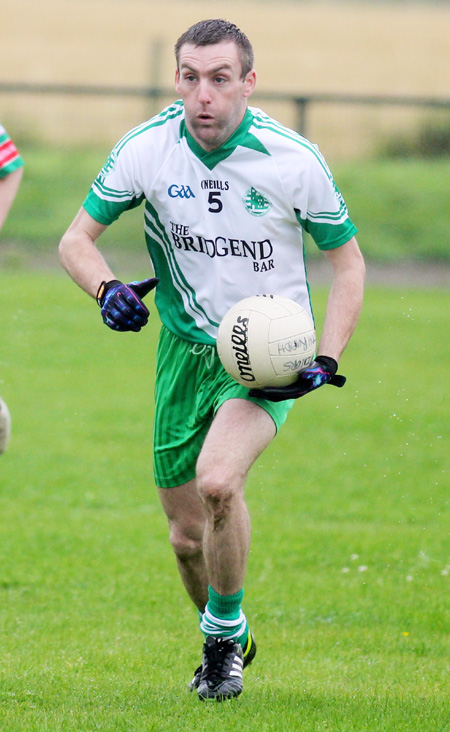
point(83, 262)
point(79, 255)
point(343, 309)
point(8, 189)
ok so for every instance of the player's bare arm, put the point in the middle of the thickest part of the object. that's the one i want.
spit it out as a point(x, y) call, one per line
point(343, 309)
point(8, 189)
point(121, 306)
point(345, 298)
point(79, 254)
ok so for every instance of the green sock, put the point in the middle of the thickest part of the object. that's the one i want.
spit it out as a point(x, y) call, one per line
point(227, 607)
point(223, 617)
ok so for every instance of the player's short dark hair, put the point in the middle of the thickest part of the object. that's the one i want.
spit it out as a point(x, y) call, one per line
point(210, 32)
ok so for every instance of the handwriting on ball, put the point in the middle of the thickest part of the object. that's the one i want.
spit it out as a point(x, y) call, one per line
point(297, 344)
point(297, 364)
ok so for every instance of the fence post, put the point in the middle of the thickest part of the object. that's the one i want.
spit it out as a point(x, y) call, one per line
point(300, 114)
point(155, 76)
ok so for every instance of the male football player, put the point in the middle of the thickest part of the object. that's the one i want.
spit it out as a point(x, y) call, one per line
point(227, 194)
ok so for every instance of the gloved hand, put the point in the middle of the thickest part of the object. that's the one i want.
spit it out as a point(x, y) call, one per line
point(121, 305)
point(322, 371)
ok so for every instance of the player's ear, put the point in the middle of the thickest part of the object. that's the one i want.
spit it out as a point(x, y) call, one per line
point(177, 80)
point(249, 83)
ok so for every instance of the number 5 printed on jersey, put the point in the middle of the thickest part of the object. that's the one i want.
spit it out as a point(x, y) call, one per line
point(215, 202)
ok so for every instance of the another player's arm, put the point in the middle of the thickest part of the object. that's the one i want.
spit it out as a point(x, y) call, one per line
point(8, 189)
point(79, 255)
point(344, 300)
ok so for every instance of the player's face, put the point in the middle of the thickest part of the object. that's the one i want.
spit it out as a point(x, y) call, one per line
point(209, 80)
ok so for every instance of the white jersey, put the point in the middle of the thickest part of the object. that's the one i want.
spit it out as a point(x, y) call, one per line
point(226, 224)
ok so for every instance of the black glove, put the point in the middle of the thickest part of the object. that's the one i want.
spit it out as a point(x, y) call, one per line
point(322, 371)
point(121, 305)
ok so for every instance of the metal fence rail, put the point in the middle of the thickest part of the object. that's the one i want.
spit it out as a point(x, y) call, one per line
point(301, 103)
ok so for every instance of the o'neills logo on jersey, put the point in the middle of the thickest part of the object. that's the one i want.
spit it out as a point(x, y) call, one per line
point(239, 339)
point(215, 185)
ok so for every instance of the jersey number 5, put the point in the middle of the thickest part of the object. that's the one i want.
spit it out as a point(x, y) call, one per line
point(215, 202)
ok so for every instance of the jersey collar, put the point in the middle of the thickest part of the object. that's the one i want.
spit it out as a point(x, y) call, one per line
point(240, 137)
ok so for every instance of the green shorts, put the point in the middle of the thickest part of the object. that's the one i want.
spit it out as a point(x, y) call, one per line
point(191, 385)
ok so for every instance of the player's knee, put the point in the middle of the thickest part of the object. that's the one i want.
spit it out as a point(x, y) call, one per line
point(217, 492)
point(187, 543)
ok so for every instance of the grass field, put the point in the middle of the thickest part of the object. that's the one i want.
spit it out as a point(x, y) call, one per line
point(349, 573)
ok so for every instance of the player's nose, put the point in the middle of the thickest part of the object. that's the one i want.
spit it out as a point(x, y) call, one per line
point(204, 92)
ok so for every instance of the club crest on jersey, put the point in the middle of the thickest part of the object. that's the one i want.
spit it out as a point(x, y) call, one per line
point(256, 202)
point(176, 191)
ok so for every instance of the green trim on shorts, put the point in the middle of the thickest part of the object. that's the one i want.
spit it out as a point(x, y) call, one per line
point(191, 385)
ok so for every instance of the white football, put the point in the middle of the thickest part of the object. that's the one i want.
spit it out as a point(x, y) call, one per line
point(265, 340)
point(5, 426)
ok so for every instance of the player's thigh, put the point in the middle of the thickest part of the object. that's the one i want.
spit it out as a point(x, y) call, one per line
point(239, 433)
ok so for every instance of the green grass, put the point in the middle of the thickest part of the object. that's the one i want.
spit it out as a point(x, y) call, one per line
point(349, 572)
point(399, 206)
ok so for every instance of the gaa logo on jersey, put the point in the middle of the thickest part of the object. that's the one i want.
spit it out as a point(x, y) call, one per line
point(256, 202)
point(175, 191)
